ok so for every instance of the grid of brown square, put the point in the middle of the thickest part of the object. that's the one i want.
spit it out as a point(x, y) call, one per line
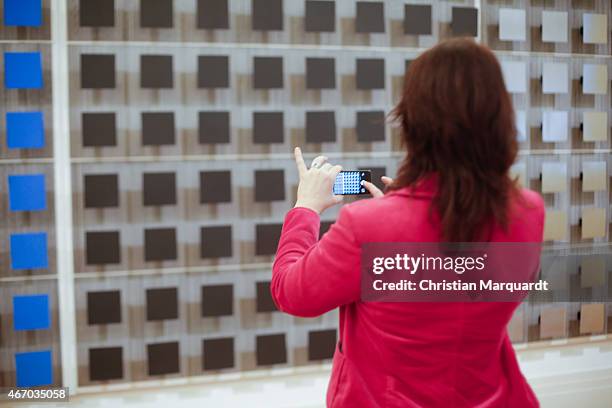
point(104, 307)
point(213, 71)
point(271, 349)
point(218, 354)
point(320, 73)
point(98, 13)
point(370, 17)
point(370, 73)
point(162, 304)
point(99, 129)
point(320, 16)
point(105, 363)
point(156, 13)
point(216, 241)
point(268, 127)
point(269, 185)
point(158, 128)
point(267, 15)
point(97, 71)
point(156, 71)
point(214, 127)
point(320, 127)
point(160, 244)
point(464, 21)
point(163, 358)
point(417, 19)
point(321, 344)
point(101, 190)
point(158, 189)
point(266, 238)
point(267, 72)
point(102, 247)
point(213, 14)
point(217, 300)
point(370, 126)
point(215, 187)
point(264, 302)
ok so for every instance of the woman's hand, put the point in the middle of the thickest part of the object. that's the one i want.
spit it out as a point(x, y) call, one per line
point(315, 190)
point(375, 191)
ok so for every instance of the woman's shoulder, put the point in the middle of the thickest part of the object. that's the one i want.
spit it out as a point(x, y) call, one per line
point(527, 217)
point(529, 200)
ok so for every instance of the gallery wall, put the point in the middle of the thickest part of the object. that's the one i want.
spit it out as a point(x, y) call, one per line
point(182, 117)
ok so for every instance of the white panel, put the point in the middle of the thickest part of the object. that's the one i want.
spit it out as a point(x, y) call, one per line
point(512, 25)
point(519, 170)
point(554, 126)
point(595, 126)
point(594, 176)
point(515, 76)
point(595, 79)
point(595, 28)
point(555, 77)
point(521, 125)
point(554, 26)
point(554, 177)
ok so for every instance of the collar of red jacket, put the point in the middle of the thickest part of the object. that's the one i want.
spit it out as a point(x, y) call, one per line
point(427, 187)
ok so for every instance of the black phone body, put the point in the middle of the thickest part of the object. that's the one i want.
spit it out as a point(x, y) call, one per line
point(351, 182)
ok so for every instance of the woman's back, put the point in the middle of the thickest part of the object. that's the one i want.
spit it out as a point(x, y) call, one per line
point(429, 354)
point(403, 354)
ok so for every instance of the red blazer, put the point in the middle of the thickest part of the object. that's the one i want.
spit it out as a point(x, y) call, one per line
point(401, 354)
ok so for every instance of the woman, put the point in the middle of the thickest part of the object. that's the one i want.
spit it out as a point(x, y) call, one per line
point(453, 185)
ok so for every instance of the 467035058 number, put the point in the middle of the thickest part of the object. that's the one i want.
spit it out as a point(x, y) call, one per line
point(34, 394)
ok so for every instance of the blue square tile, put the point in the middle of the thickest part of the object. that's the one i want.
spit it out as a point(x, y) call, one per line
point(29, 251)
point(25, 130)
point(24, 13)
point(27, 192)
point(23, 70)
point(31, 312)
point(34, 368)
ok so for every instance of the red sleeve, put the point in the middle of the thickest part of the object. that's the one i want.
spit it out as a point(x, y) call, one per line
point(310, 278)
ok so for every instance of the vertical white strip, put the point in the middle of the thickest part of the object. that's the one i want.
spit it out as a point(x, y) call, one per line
point(63, 193)
point(478, 6)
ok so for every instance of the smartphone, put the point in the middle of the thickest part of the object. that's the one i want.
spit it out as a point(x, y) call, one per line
point(351, 182)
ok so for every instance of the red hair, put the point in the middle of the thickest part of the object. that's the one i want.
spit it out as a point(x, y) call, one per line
point(457, 121)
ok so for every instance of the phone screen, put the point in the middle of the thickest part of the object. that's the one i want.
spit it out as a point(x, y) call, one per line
point(350, 182)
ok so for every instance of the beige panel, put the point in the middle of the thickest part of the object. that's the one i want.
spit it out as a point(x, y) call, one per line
point(553, 322)
point(594, 176)
point(593, 223)
point(595, 28)
point(592, 318)
point(555, 225)
point(595, 125)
